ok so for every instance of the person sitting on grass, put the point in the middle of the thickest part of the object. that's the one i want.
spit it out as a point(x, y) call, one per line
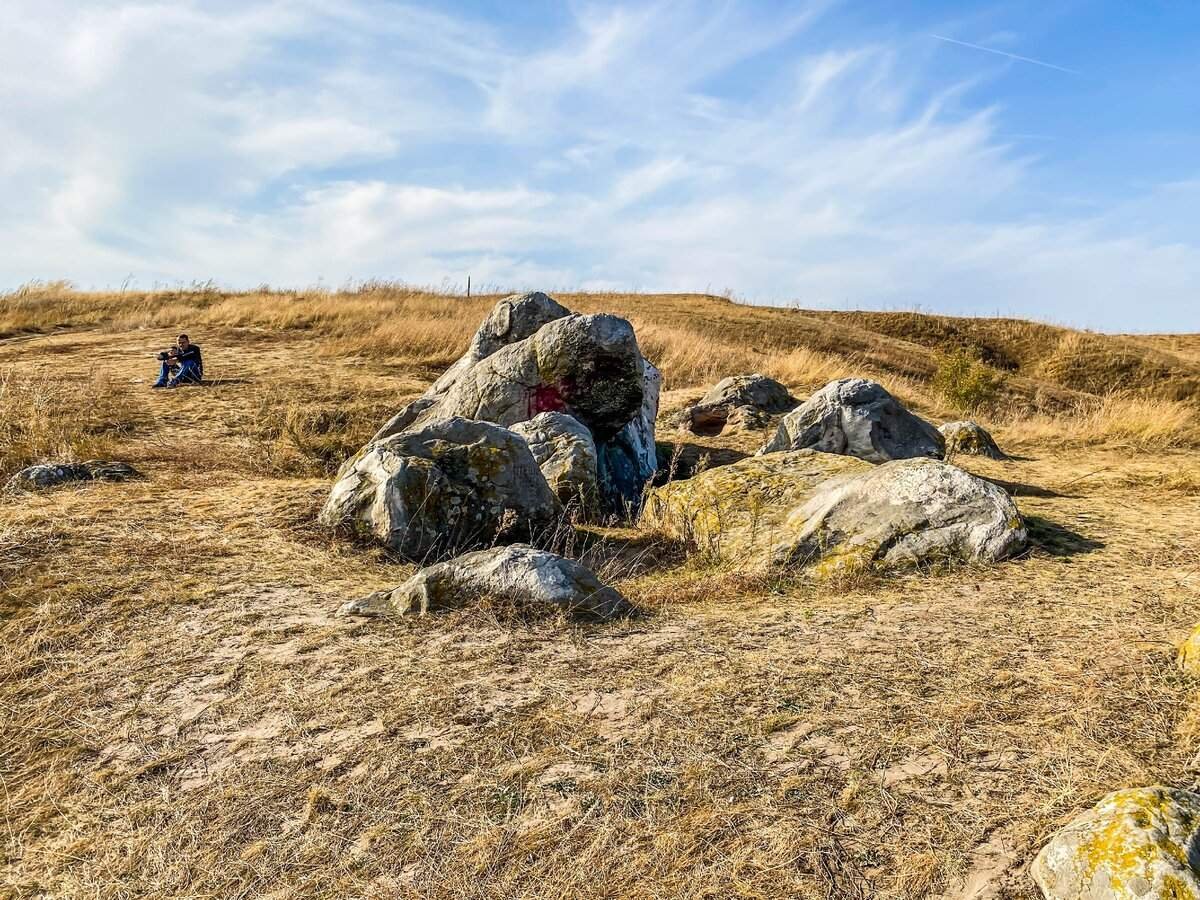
point(181, 364)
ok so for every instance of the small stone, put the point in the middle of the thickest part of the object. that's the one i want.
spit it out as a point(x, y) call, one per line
point(48, 475)
point(970, 439)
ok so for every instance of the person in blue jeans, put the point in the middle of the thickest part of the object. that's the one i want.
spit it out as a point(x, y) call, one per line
point(182, 364)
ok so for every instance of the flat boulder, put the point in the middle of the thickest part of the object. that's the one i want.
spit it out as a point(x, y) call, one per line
point(1135, 844)
point(566, 453)
point(902, 513)
point(453, 485)
point(735, 512)
point(739, 402)
point(970, 439)
point(519, 574)
point(856, 417)
point(49, 475)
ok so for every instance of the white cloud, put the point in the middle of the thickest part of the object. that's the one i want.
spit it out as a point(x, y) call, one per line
point(287, 143)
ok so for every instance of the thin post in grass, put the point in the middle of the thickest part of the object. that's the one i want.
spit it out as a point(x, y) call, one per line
point(468, 287)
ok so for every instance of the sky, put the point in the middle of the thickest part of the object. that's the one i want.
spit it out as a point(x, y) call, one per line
point(1031, 159)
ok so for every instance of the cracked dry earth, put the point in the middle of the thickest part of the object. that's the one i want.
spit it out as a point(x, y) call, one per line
point(183, 716)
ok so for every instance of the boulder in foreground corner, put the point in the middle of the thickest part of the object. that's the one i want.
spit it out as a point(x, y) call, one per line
point(903, 513)
point(856, 417)
point(970, 439)
point(1138, 843)
point(565, 452)
point(517, 573)
point(48, 475)
point(1189, 653)
point(739, 402)
point(453, 485)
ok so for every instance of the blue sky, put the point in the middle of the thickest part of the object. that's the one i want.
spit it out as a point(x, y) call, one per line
point(854, 154)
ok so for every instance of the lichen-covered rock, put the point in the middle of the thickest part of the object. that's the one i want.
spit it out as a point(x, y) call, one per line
point(452, 485)
point(970, 439)
point(856, 417)
point(48, 475)
point(566, 454)
point(902, 513)
point(519, 574)
point(1135, 844)
point(735, 512)
point(739, 402)
point(512, 319)
point(1189, 653)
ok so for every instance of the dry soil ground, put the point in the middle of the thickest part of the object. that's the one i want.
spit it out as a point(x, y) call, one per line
point(183, 716)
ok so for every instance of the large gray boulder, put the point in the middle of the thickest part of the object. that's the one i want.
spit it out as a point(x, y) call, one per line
point(902, 513)
point(856, 417)
point(1135, 844)
point(739, 402)
point(452, 485)
point(530, 356)
point(49, 475)
point(512, 319)
point(970, 439)
point(588, 367)
point(518, 574)
point(566, 453)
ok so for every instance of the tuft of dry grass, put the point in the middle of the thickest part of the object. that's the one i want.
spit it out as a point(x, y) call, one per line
point(1117, 419)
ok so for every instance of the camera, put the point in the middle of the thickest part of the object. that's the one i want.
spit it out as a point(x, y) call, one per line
point(165, 355)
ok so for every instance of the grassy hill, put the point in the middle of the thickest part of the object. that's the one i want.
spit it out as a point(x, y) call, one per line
point(183, 715)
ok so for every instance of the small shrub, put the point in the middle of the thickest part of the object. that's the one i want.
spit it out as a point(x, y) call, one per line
point(966, 383)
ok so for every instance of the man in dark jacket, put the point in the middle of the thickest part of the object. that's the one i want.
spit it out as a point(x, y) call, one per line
point(182, 364)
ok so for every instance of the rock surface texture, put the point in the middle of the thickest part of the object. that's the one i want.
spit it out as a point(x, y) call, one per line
point(856, 417)
point(452, 485)
point(517, 573)
point(739, 402)
point(532, 356)
point(1138, 843)
point(902, 513)
point(566, 453)
point(735, 512)
point(48, 475)
point(970, 439)
point(839, 514)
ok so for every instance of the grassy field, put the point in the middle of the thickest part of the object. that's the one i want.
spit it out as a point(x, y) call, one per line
point(183, 716)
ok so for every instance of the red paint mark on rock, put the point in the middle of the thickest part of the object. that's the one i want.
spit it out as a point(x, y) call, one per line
point(545, 398)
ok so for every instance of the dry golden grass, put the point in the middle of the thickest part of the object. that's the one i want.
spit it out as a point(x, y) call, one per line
point(183, 716)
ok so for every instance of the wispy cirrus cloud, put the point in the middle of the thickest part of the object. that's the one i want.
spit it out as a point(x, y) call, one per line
point(670, 146)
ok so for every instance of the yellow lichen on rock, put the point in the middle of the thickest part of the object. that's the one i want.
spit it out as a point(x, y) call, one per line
point(1189, 653)
point(1133, 844)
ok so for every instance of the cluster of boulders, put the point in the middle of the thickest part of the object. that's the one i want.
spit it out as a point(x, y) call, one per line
point(44, 476)
point(851, 480)
point(550, 413)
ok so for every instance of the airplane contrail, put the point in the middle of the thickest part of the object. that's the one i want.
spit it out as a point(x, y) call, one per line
point(1036, 62)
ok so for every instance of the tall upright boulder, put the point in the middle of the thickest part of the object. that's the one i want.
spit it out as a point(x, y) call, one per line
point(450, 486)
point(856, 417)
point(512, 319)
